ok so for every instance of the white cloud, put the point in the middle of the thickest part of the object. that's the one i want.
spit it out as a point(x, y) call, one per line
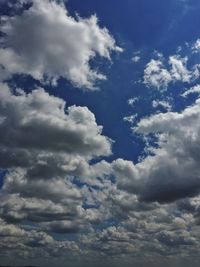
point(38, 121)
point(179, 71)
point(47, 43)
point(132, 101)
point(193, 90)
point(172, 170)
point(130, 118)
point(48, 151)
point(136, 59)
point(196, 46)
point(136, 56)
point(157, 75)
point(161, 103)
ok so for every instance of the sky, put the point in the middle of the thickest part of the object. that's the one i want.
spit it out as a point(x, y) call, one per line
point(100, 133)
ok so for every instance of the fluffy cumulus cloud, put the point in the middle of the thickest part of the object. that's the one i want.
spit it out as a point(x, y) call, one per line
point(47, 43)
point(171, 170)
point(156, 75)
point(182, 67)
point(159, 75)
point(38, 121)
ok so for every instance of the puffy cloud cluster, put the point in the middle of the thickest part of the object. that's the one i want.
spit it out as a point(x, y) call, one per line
point(147, 234)
point(31, 244)
point(156, 75)
point(159, 76)
point(47, 43)
point(182, 67)
point(44, 146)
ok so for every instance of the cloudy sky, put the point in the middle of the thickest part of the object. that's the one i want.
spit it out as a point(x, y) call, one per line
point(100, 133)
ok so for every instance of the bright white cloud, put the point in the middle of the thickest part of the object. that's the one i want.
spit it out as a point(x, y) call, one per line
point(179, 71)
point(155, 75)
point(47, 43)
point(159, 76)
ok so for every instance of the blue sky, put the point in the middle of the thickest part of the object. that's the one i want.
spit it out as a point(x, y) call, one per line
point(99, 133)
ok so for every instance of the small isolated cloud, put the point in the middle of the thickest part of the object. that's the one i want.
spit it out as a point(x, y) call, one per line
point(60, 199)
point(47, 43)
point(130, 118)
point(136, 57)
point(161, 103)
point(39, 121)
point(132, 101)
